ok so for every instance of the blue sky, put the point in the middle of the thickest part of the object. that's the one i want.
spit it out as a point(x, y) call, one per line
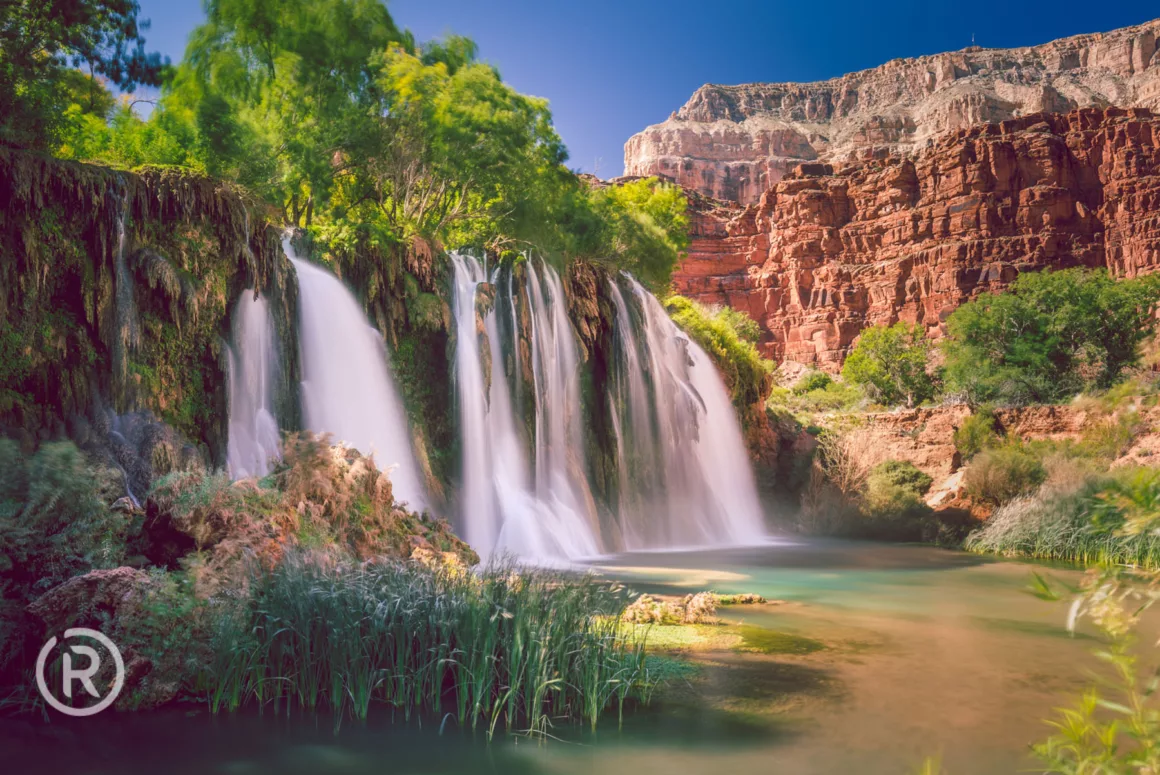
point(612, 67)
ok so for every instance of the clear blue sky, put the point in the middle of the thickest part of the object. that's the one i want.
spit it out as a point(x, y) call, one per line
point(612, 67)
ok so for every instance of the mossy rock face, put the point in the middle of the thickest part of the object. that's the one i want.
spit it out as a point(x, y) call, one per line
point(118, 292)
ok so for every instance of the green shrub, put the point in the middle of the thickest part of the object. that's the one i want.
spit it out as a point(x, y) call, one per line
point(746, 373)
point(999, 474)
point(890, 364)
point(1050, 336)
point(835, 396)
point(976, 433)
point(53, 525)
point(901, 474)
point(811, 381)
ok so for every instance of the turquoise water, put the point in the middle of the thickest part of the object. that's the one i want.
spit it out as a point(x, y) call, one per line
point(925, 652)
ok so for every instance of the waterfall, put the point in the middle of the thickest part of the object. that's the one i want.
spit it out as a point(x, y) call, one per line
point(685, 478)
point(539, 512)
point(347, 387)
point(253, 431)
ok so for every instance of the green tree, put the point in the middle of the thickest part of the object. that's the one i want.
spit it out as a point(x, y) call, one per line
point(890, 364)
point(1052, 335)
point(41, 41)
point(646, 228)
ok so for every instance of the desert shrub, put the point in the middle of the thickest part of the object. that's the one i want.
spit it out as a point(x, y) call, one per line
point(892, 511)
point(1112, 435)
point(976, 433)
point(902, 474)
point(508, 647)
point(892, 506)
point(811, 381)
point(846, 458)
point(999, 474)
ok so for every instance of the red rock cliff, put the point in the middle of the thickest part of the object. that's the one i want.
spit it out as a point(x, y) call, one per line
point(734, 142)
point(828, 251)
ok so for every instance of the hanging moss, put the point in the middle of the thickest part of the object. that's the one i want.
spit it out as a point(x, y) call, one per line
point(139, 322)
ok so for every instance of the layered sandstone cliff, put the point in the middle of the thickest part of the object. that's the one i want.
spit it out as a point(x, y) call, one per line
point(831, 249)
point(734, 142)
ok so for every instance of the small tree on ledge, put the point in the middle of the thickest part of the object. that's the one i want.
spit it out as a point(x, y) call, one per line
point(890, 364)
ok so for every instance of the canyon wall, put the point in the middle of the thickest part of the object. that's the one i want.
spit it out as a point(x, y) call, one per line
point(734, 142)
point(833, 248)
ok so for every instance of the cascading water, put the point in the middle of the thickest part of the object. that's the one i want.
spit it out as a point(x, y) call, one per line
point(253, 431)
point(347, 387)
point(543, 514)
point(685, 479)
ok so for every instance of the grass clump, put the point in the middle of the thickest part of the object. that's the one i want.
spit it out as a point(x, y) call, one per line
point(1081, 522)
point(505, 648)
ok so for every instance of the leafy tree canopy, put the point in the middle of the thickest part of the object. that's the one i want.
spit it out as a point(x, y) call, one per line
point(42, 41)
point(329, 112)
point(890, 364)
point(1053, 334)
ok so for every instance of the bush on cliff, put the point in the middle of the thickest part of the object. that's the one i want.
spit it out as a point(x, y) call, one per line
point(976, 433)
point(1050, 336)
point(1000, 474)
point(318, 496)
point(891, 363)
point(725, 335)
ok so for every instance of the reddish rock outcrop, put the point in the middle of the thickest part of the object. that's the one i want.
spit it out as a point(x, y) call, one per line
point(832, 249)
point(734, 142)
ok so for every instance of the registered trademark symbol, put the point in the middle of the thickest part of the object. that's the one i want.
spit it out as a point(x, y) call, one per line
point(82, 674)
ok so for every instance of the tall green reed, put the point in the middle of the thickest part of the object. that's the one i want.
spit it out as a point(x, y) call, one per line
point(506, 648)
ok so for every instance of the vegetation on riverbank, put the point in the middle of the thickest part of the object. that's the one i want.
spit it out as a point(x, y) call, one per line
point(1075, 335)
point(310, 587)
point(508, 649)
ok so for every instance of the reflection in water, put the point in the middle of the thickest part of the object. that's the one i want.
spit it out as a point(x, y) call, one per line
point(911, 652)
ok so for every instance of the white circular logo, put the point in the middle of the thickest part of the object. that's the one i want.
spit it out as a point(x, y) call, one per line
point(85, 676)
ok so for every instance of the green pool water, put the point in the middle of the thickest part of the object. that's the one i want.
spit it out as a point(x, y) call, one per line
point(874, 658)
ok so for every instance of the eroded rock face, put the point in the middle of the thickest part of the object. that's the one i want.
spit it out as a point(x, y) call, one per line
point(832, 249)
point(734, 142)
